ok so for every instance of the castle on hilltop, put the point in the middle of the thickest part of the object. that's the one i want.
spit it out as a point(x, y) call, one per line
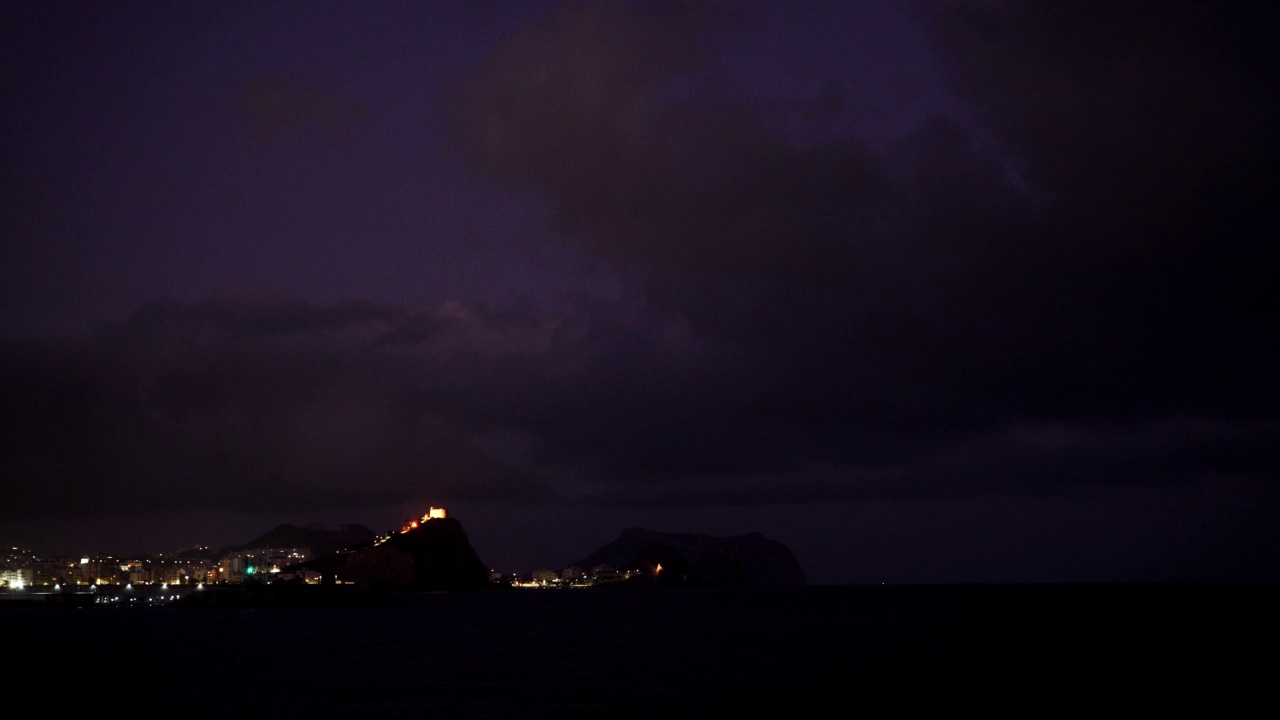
point(433, 513)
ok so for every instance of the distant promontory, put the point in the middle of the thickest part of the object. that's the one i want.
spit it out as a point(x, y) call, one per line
point(649, 558)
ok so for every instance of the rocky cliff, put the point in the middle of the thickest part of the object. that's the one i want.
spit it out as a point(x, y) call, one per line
point(436, 555)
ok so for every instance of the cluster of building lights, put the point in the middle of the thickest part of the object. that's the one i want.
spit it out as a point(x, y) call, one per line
point(548, 579)
point(236, 566)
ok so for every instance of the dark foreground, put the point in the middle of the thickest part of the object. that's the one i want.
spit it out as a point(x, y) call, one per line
point(1025, 651)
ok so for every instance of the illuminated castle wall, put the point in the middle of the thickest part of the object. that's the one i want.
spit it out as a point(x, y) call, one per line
point(433, 513)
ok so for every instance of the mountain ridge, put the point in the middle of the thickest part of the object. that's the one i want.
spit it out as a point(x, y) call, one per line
point(320, 538)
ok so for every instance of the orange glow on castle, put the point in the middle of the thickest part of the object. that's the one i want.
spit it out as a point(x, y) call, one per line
point(433, 513)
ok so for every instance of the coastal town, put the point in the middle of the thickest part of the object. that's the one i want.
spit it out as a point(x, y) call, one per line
point(161, 578)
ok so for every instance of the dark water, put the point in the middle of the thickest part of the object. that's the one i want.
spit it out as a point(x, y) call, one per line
point(1024, 651)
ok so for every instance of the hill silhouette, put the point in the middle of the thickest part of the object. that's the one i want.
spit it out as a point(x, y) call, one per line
point(320, 539)
point(697, 560)
point(435, 555)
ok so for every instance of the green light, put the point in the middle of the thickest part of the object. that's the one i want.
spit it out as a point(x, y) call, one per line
point(249, 570)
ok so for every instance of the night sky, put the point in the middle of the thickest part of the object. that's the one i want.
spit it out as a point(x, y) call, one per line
point(966, 291)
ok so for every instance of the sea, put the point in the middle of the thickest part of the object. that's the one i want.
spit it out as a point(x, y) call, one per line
point(809, 651)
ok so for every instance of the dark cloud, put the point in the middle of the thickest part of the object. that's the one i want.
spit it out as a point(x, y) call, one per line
point(610, 112)
point(1135, 112)
point(1145, 126)
point(1042, 301)
point(1064, 262)
point(273, 108)
point(234, 403)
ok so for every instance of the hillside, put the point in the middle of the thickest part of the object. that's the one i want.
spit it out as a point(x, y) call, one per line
point(694, 559)
point(320, 539)
point(435, 555)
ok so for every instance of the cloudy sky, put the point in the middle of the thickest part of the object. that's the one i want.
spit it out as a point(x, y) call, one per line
point(960, 291)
